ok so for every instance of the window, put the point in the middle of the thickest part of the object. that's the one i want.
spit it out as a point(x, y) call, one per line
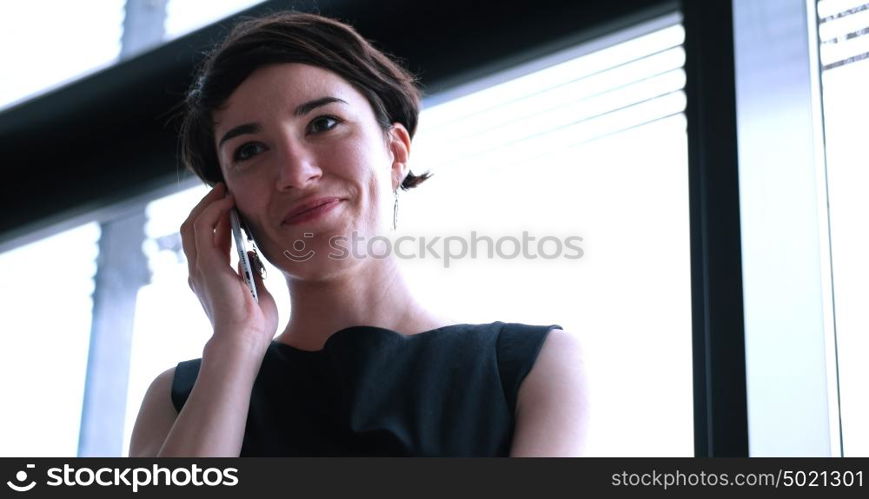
point(43, 362)
point(58, 49)
point(843, 32)
point(801, 76)
point(184, 16)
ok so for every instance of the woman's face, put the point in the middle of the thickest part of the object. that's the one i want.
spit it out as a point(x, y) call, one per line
point(292, 134)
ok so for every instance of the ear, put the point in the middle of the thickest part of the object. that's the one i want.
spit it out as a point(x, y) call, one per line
point(399, 146)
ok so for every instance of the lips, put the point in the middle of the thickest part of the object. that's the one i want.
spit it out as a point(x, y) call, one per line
point(305, 208)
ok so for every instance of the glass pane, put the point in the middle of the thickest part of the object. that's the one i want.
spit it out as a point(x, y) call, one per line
point(47, 309)
point(184, 16)
point(63, 40)
point(844, 79)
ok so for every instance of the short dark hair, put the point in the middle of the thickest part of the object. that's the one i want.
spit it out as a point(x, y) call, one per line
point(293, 37)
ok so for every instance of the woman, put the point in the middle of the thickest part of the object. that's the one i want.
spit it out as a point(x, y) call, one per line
point(305, 129)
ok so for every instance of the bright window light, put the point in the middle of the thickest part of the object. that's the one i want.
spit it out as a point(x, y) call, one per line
point(184, 16)
point(43, 362)
point(846, 105)
point(842, 26)
point(827, 8)
point(49, 43)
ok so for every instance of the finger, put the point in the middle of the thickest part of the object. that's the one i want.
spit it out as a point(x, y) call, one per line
point(203, 231)
point(223, 235)
point(240, 269)
point(188, 243)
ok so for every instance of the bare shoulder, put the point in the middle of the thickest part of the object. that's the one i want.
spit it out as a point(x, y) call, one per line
point(560, 366)
point(156, 417)
point(560, 348)
point(551, 406)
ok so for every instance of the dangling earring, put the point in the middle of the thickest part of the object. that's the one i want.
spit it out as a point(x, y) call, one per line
point(395, 211)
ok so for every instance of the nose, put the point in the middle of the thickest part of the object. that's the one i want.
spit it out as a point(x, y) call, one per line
point(297, 167)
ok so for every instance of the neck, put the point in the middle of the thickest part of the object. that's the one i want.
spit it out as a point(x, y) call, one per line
point(373, 293)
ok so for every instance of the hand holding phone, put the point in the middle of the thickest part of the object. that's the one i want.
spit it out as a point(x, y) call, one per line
point(206, 236)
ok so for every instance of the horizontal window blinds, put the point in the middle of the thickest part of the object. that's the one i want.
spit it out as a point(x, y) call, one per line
point(843, 29)
point(623, 86)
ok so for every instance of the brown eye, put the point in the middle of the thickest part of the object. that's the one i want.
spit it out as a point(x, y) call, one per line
point(247, 151)
point(323, 124)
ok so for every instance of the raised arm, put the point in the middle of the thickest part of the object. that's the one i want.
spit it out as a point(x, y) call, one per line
point(213, 419)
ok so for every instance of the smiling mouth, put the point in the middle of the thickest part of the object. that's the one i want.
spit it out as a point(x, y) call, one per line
point(315, 210)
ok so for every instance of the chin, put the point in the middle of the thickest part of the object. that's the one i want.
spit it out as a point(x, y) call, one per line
point(319, 267)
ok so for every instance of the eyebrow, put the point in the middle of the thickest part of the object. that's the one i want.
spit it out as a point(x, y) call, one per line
point(301, 110)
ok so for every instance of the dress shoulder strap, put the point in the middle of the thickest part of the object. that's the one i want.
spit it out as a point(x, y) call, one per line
point(185, 375)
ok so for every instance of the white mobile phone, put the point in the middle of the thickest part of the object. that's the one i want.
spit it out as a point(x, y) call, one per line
point(241, 247)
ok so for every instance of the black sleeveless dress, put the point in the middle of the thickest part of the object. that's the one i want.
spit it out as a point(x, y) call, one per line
point(371, 391)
